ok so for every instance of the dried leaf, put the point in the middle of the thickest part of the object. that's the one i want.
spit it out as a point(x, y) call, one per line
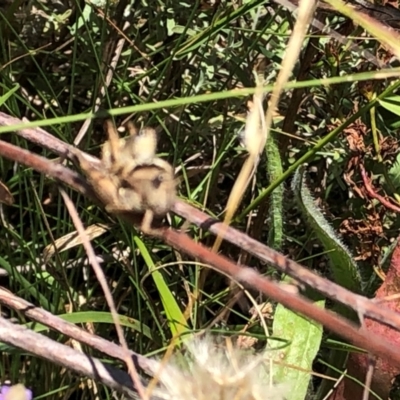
point(5, 195)
point(73, 239)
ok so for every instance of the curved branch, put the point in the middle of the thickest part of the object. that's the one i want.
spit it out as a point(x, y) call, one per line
point(374, 343)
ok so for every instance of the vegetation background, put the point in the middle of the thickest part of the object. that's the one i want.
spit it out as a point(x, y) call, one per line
point(189, 59)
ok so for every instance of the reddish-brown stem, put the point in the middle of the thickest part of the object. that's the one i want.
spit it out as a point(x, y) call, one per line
point(372, 193)
point(246, 275)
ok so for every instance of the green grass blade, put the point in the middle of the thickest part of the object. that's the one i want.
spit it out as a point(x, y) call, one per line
point(176, 320)
point(235, 93)
point(96, 317)
point(28, 286)
point(6, 96)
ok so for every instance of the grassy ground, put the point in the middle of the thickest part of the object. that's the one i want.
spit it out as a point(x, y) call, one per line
point(188, 59)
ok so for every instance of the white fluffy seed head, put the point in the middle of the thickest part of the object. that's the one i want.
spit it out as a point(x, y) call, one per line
point(211, 371)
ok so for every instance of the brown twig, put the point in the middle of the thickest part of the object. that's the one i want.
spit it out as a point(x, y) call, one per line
point(107, 292)
point(37, 135)
point(376, 344)
point(233, 236)
point(372, 193)
point(359, 337)
point(47, 167)
point(66, 328)
point(295, 270)
point(83, 364)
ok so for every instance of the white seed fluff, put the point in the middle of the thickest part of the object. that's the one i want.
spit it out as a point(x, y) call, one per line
point(211, 371)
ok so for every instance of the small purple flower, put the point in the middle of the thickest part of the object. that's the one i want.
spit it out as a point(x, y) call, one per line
point(16, 392)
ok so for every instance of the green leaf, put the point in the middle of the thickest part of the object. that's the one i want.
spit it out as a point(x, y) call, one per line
point(170, 26)
point(274, 168)
point(344, 269)
point(391, 104)
point(394, 173)
point(304, 337)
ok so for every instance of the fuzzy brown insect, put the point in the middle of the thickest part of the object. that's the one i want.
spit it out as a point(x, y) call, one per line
point(130, 177)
